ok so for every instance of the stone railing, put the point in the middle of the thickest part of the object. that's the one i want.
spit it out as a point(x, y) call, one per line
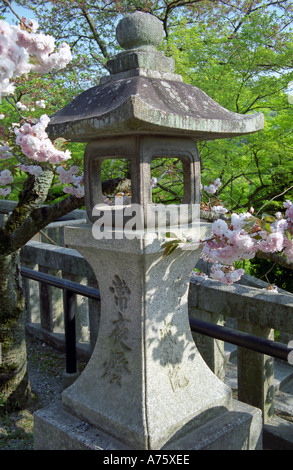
point(252, 310)
point(44, 304)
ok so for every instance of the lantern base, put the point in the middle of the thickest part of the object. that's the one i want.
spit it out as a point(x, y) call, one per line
point(237, 429)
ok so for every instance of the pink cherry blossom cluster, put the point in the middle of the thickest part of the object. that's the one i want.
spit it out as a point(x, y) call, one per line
point(77, 191)
point(219, 209)
point(213, 187)
point(35, 143)
point(228, 245)
point(243, 236)
point(226, 274)
point(70, 177)
point(5, 178)
point(5, 151)
point(31, 169)
point(5, 191)
point(23, 50)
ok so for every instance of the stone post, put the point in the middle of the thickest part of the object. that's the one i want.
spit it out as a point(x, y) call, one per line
point(145, 361)
point(256, 373)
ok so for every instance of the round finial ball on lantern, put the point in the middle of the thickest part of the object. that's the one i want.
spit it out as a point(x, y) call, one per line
point(140, 30)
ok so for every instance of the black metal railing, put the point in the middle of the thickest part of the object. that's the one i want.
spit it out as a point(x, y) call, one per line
point(70, 288)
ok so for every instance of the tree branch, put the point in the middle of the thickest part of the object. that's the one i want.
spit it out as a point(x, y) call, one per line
point(38, 220)
point(93, 29)
point(276, 258)
point(34, 194)
point(171, 6)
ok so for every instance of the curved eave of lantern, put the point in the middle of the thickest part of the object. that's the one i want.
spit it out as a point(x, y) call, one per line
point(140, 105)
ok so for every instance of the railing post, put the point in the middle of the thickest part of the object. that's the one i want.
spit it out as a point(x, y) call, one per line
point(256, 373)
point(70, 337)
point(80, 307)
point(51, 308)
point(94, 307)
point(211, 349)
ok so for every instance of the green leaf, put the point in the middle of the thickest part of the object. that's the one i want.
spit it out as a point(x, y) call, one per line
point(59, 142)
point(170, 243)
point(288, 235)
point(171, 235)
point(169, 250)
point(269, 218)
point(265, 226)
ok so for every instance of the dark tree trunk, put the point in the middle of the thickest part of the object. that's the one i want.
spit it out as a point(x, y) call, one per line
point(14, 382)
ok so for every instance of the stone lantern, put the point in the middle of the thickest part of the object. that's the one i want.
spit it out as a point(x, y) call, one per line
point(146, 386)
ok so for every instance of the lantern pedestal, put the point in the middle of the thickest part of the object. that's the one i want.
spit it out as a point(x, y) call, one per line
point(146, 387)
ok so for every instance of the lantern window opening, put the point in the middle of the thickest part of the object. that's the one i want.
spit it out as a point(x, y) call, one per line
point(167, 180)
point(115, 178)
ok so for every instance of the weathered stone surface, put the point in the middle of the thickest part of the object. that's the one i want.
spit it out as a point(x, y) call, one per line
point(140, 150)
point(142, 60)
point(258, 307)
point(236, 429)
point(278, 434)
point(145, 362)
point(139, 30)
point(143, 105)
point(143, 95)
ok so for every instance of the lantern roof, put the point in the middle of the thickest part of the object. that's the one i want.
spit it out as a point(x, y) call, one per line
point(143, 95)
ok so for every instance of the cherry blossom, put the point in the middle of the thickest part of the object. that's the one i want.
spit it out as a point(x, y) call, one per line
point(272, 243)
point(23, 50)
point(289, 210)
point(41, 104)
point(219, 209)
point(213, 187)
point(242, 236)
point(199, 274)
point(5, 191)
point(68, 176)
point(226, 274)
point(77, 191)
point(6, 177)
point(21, 106)
point(36, 145)
point(31, 169)
point(5, 151)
